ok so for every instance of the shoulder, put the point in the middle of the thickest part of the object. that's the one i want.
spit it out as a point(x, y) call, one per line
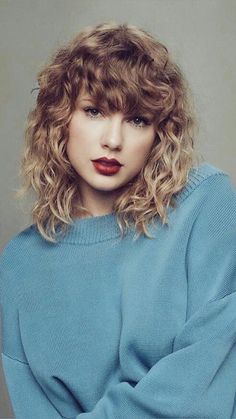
point(16, 261)
point(206, 179)
point(207, 202)
point(17, 250)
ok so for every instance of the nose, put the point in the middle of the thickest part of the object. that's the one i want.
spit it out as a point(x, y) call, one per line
point(113, 132)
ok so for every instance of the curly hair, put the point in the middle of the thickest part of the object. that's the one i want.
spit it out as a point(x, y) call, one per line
point(124, 67)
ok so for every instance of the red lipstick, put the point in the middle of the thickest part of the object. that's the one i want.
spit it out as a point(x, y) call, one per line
point(109, 161)
point(107, 166)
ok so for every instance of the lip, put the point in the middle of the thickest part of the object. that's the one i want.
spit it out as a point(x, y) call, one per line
point(106, 169)
point(112, 162)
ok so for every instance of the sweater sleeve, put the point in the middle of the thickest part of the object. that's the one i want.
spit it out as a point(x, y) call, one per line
point(197, 379)
point(27, 397)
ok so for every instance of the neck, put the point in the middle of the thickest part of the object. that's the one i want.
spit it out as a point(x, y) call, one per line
point(97, 202)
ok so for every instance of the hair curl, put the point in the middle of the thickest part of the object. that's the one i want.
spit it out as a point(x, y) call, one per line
point(127, 69)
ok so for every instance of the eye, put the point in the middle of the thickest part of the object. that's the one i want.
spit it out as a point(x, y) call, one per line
point(139, 119)
point(90, 112)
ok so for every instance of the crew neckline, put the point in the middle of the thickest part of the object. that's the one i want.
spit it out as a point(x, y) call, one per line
point(89, 230)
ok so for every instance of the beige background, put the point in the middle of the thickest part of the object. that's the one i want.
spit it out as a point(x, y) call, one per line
point(200, 34)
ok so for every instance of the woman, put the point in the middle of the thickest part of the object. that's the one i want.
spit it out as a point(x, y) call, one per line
point(118, 302)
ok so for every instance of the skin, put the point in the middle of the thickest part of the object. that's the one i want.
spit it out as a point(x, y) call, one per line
point(93, 135)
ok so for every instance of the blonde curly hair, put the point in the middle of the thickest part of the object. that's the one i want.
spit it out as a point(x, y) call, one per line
point(126, 68)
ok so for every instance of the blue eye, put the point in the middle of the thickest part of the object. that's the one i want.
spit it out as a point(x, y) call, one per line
point(90, 112)
point(144, 121)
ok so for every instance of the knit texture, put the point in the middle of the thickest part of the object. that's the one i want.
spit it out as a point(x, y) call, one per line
point(103, 327)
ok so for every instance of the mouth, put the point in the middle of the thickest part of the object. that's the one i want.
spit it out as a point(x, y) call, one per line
point(108, 162)
point(105, 168)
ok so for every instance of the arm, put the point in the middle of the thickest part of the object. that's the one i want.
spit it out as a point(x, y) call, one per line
point(27, 397)
point(198, 378)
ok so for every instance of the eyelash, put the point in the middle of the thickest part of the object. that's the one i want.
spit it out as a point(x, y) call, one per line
point(145, 121)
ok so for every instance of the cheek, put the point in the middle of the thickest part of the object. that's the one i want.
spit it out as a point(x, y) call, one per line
point(82, 135)
point(137, 158)
point(143, 148)
point(141, 152)
point(76, 139)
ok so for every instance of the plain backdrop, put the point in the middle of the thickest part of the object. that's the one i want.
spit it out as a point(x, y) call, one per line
point(200, 35)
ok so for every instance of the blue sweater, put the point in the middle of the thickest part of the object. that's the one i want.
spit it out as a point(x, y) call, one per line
point(99, 327)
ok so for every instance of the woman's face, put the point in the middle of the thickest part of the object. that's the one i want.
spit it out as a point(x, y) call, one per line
point(93, 135)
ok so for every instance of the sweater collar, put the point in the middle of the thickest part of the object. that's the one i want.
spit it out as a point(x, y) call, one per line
point(104, 227)
point(92, 229)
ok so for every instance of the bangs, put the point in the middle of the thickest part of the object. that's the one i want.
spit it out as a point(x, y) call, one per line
point(117, 83)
